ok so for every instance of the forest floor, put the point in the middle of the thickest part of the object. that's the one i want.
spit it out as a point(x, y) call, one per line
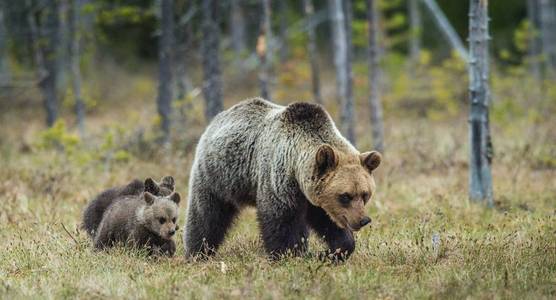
point(508, 251)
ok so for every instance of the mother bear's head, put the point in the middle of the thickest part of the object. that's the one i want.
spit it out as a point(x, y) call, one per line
point(342, 183)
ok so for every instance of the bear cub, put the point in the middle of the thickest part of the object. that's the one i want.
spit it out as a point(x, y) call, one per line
point(129, 214)
point(92, 215)
point(142, 221)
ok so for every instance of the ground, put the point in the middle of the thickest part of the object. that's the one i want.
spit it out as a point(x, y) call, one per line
point(427, 240)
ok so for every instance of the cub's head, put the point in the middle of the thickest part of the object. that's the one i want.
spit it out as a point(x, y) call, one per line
point(164, 188)
point(342, 184)
point(160, 214)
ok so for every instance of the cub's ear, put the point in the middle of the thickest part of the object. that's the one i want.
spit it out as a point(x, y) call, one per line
point(168, 181)
point(149, 198)
point(151, 186)
point(371, 160)
point(326, 160)
point(175, 197)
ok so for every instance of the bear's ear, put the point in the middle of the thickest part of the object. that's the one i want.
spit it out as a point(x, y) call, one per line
point(326, 160)
point(149, 198)
point(371, 160)
point(151, 186)
point(175, 197)
point(168, 181)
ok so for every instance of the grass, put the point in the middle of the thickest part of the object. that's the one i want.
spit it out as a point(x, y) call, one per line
point(505, 252)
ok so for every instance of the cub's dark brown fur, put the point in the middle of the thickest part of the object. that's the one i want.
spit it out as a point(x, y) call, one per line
point(92, 215)
point(143, 221)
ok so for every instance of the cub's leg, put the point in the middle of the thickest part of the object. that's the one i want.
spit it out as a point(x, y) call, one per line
point(103, 238)
point(340, 241)
point(283, 228)
point(208, 219)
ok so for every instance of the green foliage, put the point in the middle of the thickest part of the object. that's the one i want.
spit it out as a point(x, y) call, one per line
point(58, 137)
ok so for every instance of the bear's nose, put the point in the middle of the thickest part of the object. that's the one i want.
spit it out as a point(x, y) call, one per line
point(171, 232)
point(364, 221)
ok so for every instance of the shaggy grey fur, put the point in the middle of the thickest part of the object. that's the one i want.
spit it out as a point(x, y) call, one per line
point(263, 154)
point(143, 221)
point(92, 215)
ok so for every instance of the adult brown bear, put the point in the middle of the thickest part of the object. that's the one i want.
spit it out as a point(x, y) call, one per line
point(292, 164)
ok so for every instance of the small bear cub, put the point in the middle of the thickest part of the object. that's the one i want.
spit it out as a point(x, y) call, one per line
point(143, 221)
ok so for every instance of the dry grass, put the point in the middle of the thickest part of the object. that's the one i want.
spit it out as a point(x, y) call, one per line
point(506, 252)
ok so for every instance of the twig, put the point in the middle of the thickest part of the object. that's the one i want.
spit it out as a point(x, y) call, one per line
point(70, 235)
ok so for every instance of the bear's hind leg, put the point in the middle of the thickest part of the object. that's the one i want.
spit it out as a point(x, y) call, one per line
point(208, 220)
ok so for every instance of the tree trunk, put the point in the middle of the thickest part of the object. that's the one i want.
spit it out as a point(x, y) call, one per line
point(165, 45)
point(64, 46)
point(282, 14)
point(237, 25)
point(447, 29)
point(548, 35)
point(480, 178)
point(4, 67)
point(534, 40)
point(46, 57)
point(210, 46)
point(264, 50)
point(75, 38)
point(181, 56)
point(415, 31)
point(375, 104)
point(312, 50)
point(348, 109)
point(340, 49)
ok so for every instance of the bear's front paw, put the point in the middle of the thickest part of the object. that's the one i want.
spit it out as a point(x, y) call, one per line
point(336, 256)
point(168, 248)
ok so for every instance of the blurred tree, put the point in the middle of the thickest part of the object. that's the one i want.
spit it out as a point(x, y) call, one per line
point(237, 27)
point(183, 42)
point(264, 50)
point(480, 177)
point(347, 109)
point(74, 23)
point(312, 50)
point(4, 67)
point(210, 46)
point(165, 84)
point(415, 31)
point(375, 73)
point(44, 22)
point(446, 28)
point(548, 33)
point(283, 29)
point(534, 38)
point(64, 44)
point(341, 56)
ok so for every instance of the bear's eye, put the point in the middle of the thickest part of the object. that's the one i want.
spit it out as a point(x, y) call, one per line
point(162, 220)
point(174, 220)
point(344, 198)
point(365, 197)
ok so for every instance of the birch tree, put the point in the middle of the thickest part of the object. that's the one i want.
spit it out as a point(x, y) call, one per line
point(264, 50)
point(210, 46)
point(375, 105)
point(282, 14)
point(480, 178)
point(415, 31)
point(341, 56)
point(165, 44)
point(75, 40)
point(312, 50)
point(182, 41)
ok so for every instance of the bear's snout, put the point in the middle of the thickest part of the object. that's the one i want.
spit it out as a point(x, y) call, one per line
point(364, 221)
